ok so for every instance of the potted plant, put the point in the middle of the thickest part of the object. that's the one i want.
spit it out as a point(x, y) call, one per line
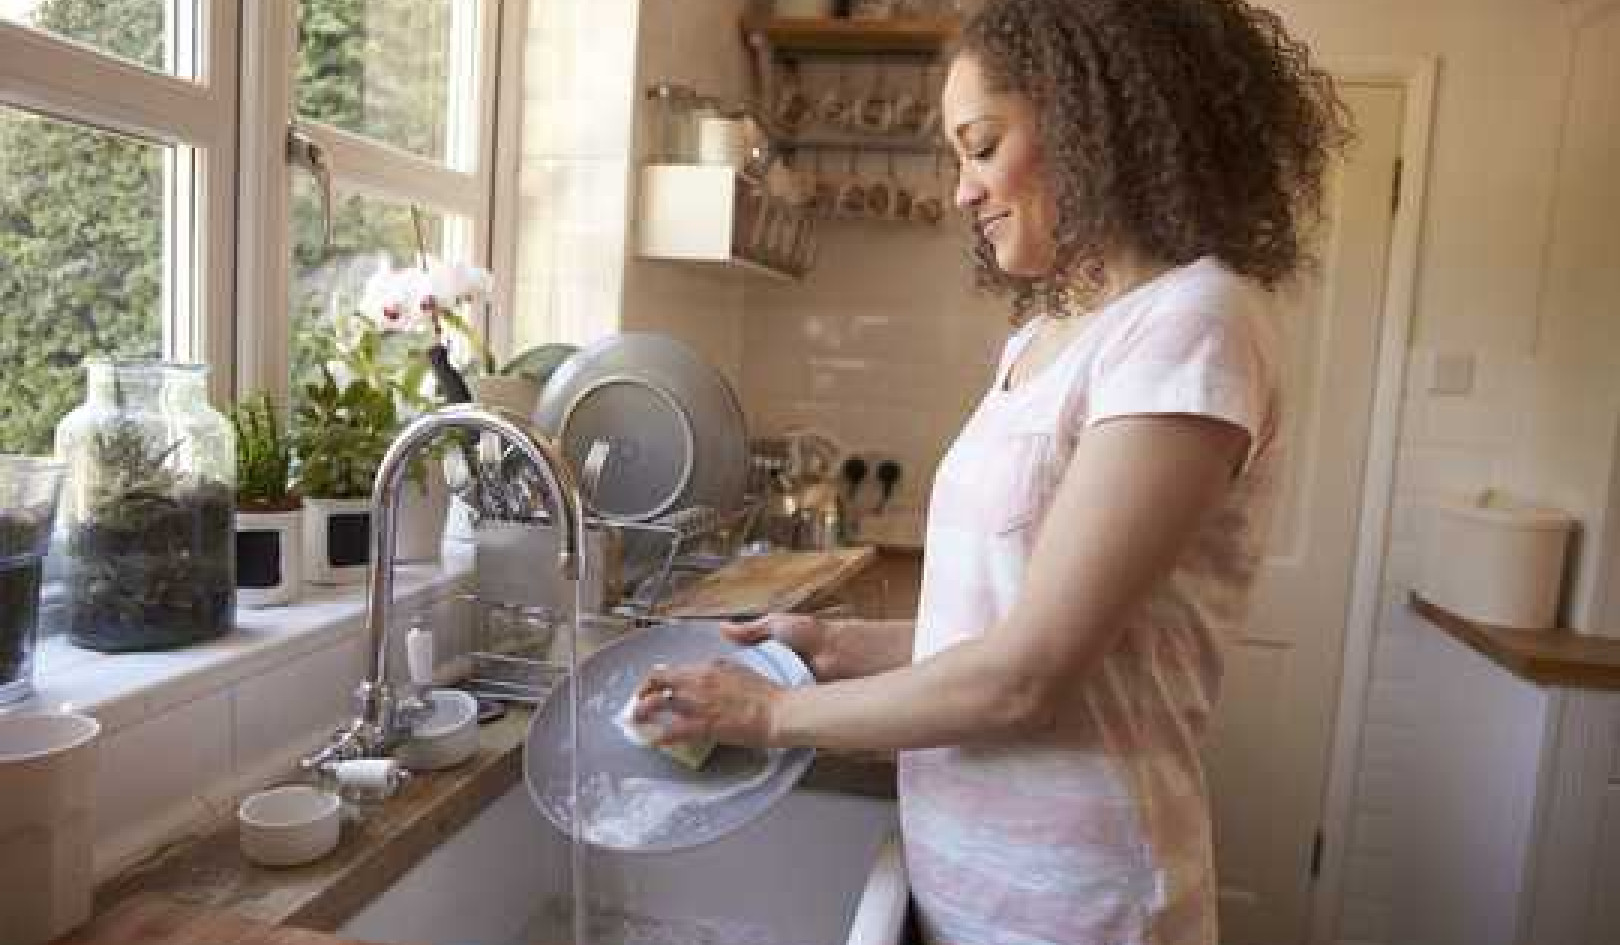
point(269, 513)
point(339, 436)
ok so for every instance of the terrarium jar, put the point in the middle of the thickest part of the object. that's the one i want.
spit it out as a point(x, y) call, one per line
point(147, 509)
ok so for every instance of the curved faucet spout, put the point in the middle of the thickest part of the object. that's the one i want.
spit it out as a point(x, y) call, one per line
point(377, 706)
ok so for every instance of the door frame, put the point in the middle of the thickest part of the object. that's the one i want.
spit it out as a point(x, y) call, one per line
point(1416, 76)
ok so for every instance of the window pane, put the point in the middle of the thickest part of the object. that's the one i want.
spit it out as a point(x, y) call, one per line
point(81, 265)
point(137, 30)
point(384, 68)
point(364, 228)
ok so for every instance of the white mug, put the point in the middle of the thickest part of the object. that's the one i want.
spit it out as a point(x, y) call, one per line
point(47, 824)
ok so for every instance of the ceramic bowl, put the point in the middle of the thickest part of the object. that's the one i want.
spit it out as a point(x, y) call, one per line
point(447, 737)
point(289, 826)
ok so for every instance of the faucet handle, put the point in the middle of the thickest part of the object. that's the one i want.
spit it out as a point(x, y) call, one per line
point(419, 656)
point(367, 779)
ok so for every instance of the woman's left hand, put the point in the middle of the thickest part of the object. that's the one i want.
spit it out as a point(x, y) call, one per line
point(719, 701)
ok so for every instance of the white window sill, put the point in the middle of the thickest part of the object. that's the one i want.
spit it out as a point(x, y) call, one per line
point(123, 689)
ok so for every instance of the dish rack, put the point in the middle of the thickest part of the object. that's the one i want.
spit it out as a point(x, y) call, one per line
point(517, 654)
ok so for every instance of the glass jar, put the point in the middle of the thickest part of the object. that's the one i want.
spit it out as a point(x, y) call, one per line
point(28, 490)
point(674, 130)
point(147, 509)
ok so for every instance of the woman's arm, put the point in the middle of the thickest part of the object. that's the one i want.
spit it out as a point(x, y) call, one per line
point(1135, 492)
point(857, 647)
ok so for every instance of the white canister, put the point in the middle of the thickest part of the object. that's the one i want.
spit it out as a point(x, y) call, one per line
point(1494, 561)
point(47, 824)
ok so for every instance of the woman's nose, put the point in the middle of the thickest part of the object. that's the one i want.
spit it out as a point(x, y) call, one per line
point(969, 192)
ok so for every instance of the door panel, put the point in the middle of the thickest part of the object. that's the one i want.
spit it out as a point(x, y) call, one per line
point(1269, 749)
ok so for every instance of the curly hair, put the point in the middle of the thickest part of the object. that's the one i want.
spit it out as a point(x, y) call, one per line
point(1174, 128)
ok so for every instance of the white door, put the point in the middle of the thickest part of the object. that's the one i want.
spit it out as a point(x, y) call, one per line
point(1268, 754)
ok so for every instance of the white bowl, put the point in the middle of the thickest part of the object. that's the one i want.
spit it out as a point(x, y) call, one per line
point(447, 737)
point(289, 826)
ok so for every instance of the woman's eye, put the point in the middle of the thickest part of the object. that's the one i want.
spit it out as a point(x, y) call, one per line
point(983, 154)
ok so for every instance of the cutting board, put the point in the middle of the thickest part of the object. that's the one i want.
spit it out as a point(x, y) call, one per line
point(773, 582)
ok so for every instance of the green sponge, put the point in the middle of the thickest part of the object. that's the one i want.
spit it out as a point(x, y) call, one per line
point(692, 754)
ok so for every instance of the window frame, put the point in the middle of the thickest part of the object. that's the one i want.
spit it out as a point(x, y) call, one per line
point(194, 112)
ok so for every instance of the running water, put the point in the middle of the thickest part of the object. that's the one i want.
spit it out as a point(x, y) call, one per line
point(576, 842)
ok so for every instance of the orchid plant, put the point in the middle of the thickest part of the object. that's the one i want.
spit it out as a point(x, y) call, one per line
point(429, 297)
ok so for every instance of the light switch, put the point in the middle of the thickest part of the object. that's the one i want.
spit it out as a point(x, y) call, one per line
point(1451, 373)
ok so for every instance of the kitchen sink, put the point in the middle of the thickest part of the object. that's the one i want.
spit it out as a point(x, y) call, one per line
point(819, 868)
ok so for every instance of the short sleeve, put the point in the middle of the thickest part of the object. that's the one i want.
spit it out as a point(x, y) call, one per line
point(1206, 353)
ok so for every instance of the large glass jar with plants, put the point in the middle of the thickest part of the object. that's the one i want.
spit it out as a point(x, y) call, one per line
point(147, 508)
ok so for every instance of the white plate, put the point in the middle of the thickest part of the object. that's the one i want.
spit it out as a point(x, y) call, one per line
point(634, 797)
point(674, 427)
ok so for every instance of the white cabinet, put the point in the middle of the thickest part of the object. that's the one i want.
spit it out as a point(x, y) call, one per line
point(707, 213)
point(1515, 816)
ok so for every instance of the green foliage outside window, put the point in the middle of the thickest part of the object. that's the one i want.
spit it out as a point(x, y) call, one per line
point(81, 229)
point(81, 262)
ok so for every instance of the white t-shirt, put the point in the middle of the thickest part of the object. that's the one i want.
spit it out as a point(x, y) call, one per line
point(1099, 835)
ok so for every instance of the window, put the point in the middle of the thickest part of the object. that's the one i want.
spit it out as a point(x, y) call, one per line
point(117, 171)
point(146, 206)
point(128, 226)
point(393, 97)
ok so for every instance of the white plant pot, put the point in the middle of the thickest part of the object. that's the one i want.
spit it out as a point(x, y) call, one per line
point(337, 540)
point(269, 558)
point(422, 511)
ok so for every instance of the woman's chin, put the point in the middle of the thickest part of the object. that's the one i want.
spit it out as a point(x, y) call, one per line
point(1014, 265)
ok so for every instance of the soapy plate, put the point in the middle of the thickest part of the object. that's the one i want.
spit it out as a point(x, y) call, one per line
point(634, 797)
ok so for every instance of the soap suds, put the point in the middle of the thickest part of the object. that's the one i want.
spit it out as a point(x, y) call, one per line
point(636, 812)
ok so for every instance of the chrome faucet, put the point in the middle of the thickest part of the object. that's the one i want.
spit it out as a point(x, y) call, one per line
point(383, 719)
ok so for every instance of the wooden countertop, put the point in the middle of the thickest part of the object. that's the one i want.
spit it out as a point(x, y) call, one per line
point(148, 919)
point(1545, 657)
point(205, 893)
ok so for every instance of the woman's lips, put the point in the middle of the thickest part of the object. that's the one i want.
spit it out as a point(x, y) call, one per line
point(986, 224)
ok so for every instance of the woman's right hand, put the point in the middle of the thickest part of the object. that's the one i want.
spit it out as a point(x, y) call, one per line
point(810, 637)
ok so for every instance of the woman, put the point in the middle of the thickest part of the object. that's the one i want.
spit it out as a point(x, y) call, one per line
point(1140, 174)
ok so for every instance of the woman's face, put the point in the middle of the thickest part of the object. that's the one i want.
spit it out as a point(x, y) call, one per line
point(1002, 183)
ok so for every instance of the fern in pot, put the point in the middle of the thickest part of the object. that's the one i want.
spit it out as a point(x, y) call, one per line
point(269, 512)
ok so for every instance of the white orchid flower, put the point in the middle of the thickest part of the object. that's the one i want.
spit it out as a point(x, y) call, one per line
point(392, 300)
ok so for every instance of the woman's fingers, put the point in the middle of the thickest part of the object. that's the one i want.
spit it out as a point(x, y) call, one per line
point(720, 700)
point(750, 633)
point(658, 692)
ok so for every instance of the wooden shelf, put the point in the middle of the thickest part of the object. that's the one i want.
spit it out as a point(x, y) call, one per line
point(810, 36)
point(1544, 657)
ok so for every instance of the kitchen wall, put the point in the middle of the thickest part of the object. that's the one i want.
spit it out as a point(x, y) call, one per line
point(885, 345)
point(698, 45)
